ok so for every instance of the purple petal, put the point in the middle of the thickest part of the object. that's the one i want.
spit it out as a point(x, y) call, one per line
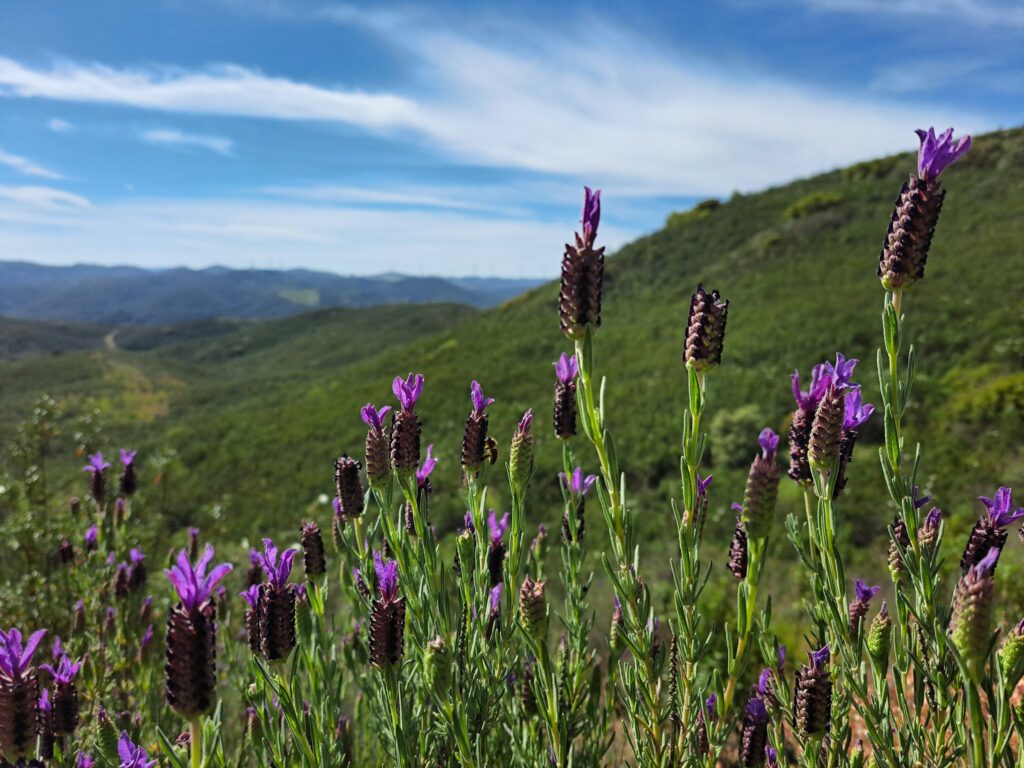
point(820, 657)
point(864, 592)
point(769, 442)
point(476, 395)
point(987, 564)
point(526, 422)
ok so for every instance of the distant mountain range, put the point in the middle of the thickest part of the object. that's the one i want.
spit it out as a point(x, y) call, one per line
point(134, 296)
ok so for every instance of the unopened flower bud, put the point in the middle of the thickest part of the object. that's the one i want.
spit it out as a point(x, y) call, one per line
point(971, 622)
point(533, 614)
point(313, 561)
point(349, 486)
point(705, 330)
point(437, 662)
point(879, 637)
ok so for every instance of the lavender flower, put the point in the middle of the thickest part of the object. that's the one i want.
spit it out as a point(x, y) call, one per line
point(19, 691)
point(533, 610)
point(813, 695)
point(191, 635)
point(938, 152)
point(754, 735)
point(378, 461)
point(387, 616)
point(827, 428)
point(314, 561)
point(564, 417)
point(705, 330)
point(494, 610)
point(802, 421)
point(64, 710)
point(579, 300)
point(928, 534)
point(908, 240)
point(349, 487)
point(97, 469)
point(131, 755)
point(970, 625)
point(129, 481)
point(860, 604)
point(990, 531)
point(737, 563)
point(424, 470)
point(405, 428)
point(496, 550)
point(855, 414)
point(474, 437)
point(84, 760)
point(762, 488)
point(520, 455)
point(277, 603)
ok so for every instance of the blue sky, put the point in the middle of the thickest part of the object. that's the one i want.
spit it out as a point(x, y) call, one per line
point(453, 137)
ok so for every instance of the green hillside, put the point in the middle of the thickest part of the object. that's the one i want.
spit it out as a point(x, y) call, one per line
point(256, 412)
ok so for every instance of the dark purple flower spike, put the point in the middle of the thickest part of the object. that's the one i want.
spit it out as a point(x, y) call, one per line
point(579, 300)
point(378, 461)
point(908, 240)
point(97, 469)
point(566, 371)
point(405, 427)
point(762, 488)
point(860, 604)
point(496, 549)
point(476, 445)
point(387, 616)
point(277, 603)
point(813, 695)
point(990, 531)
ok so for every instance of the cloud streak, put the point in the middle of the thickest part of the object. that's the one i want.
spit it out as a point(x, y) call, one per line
point(170, 137)
point(26, 167)
point(520, 96)
point(39, 197)
point(975, 12)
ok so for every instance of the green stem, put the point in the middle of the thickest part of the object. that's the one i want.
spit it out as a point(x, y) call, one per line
point(196, 740)
point(977, 726)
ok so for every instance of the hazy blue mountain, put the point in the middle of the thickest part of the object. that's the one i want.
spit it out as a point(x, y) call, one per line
point(134, 296)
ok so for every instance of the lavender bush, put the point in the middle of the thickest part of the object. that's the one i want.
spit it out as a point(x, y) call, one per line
point(402, 648)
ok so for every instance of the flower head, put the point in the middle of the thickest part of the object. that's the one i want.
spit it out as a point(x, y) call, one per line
point(710, 704)
point(855, 412)
point(374, 418)
point(91, 535)
point(408, 391)
point(496, 528)
point(64, 672)
point(1000, 507)
point(131, 755)
point(467, 522)
point(96, 464)
point(84, 760)
point(841, 373)
point(476, 395)
point(127, 457)
point(526, 422)
point(769, 442)
point(820, 379)
point(703, 483)
point(764, 681)
point(938, 152)
point(591, 215)
point(15, 656)
point(424, 470)
point(864, 592)
point(193, 584)
point(277, 571)
point(387, 576)
point(251, 595)
point(576, 484)
point(566, 368)
point(756, 708)
point(820, 657)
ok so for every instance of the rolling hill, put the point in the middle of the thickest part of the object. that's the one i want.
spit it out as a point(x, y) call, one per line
point(255, 413)
point(130, 295)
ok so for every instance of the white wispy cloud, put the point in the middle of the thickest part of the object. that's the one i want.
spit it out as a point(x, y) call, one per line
point(985, 13)
point(27, 167)
point(40, 197)
point(174, 138)
point(223, 89)
point(253, 232)
point(600, 104)
point(59, 126)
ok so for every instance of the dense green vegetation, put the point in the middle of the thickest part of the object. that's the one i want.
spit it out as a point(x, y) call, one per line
point(255, 413)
